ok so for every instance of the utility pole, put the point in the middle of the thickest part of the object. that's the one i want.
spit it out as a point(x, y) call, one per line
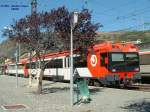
point(30, 66)
point(33, 6)
point(141, 22)
point(19, 51)
point(16, 55)
point(85, 4)
point(143, 26)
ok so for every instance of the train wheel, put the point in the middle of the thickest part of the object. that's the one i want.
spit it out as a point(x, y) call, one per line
point(127, 82)
point(97, 84)
point(117, 84)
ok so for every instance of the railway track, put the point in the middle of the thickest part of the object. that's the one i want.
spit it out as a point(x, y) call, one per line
point(136, 87)
point(139, 87)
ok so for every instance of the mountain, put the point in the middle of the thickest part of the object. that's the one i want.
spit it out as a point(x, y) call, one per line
point(7, 48)
point(143, 36)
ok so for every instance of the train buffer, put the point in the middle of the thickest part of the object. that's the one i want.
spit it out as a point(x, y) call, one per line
point(83, 91)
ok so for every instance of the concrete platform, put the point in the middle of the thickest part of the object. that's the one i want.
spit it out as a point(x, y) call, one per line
point(56, 98)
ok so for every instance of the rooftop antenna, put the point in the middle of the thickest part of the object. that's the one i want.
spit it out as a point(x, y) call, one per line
point(33, 6)
point(85, 5)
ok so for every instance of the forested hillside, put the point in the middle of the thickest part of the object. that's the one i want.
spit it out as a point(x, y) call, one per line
point(7, 48)
point(125, 36)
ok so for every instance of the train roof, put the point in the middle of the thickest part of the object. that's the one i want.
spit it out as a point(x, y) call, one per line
point(144, 52)
point(103, 46)
point(115, 47)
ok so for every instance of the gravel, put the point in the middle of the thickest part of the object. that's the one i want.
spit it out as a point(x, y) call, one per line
point(56, 98)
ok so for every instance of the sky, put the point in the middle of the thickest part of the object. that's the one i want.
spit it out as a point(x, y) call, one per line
point(114, 15)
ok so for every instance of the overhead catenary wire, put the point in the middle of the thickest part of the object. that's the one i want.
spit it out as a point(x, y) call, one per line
point(127, 17)
point(106, 12)
point(134, 16)
point(133, 28)
point(130, 15)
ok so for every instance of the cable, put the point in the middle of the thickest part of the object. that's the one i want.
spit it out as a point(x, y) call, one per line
point(135, 13)
point(131, 28)
point(140, 12)
point(105, 12)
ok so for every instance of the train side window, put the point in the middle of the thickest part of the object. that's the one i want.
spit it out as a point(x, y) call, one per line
point(31, 65)
point(102, 59)
point(145, 59)
point(67, 62)
point(21, 66)
point(55, 63)
point(80, 62)
point(12, 67)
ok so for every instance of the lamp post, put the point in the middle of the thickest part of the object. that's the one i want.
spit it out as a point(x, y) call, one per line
point(73, 22)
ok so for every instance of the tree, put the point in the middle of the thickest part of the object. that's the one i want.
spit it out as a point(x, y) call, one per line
point(51, 31)
point(2, 60)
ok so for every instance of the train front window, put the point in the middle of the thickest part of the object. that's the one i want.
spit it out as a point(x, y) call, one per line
point(132, 57)
point(132, 61)
point(117, 57)
point(121, 62)
point(116, 62)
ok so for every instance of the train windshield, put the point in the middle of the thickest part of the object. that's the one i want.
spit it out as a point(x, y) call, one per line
point(132, 62)
point(123, 62)
point(132, 57)
point(117, 57)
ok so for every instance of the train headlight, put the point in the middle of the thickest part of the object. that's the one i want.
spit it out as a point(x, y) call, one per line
point(136, 69)
point(113, 70)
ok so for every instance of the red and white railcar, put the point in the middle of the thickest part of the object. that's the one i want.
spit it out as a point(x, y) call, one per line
point(104, 62)
point(145, 62)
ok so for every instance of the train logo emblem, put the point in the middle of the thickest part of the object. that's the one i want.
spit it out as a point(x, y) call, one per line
point(93, 60)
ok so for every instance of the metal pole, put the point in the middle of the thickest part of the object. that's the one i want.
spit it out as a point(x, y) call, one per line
point(30, 67)
point(33, 6)
point(17, 65)
point(73, 22)
point(143, 25)
point(19, 51)
point(71, 68)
